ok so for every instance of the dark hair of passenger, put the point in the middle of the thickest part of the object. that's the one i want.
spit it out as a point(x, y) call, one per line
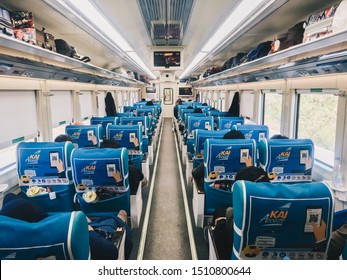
point(143, 99)
point(279, 136)
point(204, 104)
point(253, 174)
point(149, 103)
point(110, 143)
point(197, 110)
point(63, 138)
point(234, 134)
point(190, 107)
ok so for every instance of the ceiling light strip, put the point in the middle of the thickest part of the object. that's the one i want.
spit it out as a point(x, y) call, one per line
point(97, 22)
point(238, 20)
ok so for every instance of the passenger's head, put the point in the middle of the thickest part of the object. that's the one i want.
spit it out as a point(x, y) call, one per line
point(197, 110)
point(190, 107)
point(234, 134)
point(143, 99)
point(253, 174)
point(179, 101)
point(149, 103)
point(63, 138)
point(204, 104)
point(279, 136)
point(110, 143)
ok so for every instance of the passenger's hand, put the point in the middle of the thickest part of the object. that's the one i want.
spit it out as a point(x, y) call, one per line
point(308, 163)
point(248, 161)
point(136, 142)
point(94, 140)
point(60, 166)
point(319, 231)
point(116, 175)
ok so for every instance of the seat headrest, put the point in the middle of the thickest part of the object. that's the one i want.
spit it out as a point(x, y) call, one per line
point(42, 163)
point(85, 135)
point(287, 160)
point(274, 221)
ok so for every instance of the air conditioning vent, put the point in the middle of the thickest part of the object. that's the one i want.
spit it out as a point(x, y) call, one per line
point(167, 77)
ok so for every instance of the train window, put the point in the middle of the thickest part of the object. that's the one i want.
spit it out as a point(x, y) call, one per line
point(86, 103)
point(246, 104)
point(316, 119)
point(100, 98)
point(19, 123)
point(272, 110)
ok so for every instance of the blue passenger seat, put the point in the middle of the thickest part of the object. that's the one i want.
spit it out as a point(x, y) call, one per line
point(287, 160)
point(85, 135)
point(274, 221)
point(60, 236)
point(44, 172)
point(222, 160)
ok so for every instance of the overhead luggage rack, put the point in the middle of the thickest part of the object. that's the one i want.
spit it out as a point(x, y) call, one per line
point(56, 66)
point(290, 63)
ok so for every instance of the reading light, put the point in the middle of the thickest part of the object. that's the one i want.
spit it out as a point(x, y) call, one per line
point(86, 12)
point(239, 20)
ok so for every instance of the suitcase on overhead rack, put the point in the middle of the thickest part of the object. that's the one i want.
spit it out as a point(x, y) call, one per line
point(5, 22)
point(45, 40)
point(319, 24)
point(23, 25)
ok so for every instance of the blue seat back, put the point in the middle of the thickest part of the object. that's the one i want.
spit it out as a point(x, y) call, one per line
point(124, 135)
point(143, 121)
point(274, 221)
point(130, 109)
point(287, 160)
point(126, 114)
point(216, 113)
point(92, 168)
point(83, 135)
point(183, 113)
point(223, 158)
point(205, 109)
point(199, 122)
point(202, 135)
point(47, 166)
point(61, 236)
point(253, 131)
point(225, 122)
point(146, 112)
point(103, 121)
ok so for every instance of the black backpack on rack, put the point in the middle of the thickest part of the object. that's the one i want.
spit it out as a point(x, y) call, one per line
point(65, 49)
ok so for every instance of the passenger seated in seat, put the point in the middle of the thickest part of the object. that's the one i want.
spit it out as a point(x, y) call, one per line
point(338, 239)
point(198, 172)
point(135, 175)
point(175, 109)
point(223, 219)
point(23, 209)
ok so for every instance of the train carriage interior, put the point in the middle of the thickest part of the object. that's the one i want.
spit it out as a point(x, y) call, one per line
point(167, 81)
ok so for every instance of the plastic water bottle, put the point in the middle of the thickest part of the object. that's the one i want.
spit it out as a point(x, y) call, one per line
point(337, 175)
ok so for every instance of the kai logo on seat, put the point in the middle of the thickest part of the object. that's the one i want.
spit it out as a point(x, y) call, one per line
point(118, 136)
point(276, 217)
point(284, 156)
point(249, 134)
point(224, 154)
point(90, 169)
point(33, 158)
point(76, 134)
point(196, 124)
